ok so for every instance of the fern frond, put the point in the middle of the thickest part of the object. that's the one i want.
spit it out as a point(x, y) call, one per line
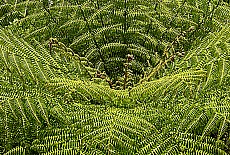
point(164, 84)
point(16, 151)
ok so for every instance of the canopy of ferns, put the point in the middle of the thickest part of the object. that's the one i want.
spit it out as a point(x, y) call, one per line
point(114, 77)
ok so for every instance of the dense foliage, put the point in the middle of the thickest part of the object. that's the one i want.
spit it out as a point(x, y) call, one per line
point(114, 77)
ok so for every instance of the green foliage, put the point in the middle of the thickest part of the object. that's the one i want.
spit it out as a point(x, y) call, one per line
point(114, 77)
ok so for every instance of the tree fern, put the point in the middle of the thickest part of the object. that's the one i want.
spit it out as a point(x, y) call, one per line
point(114, 77)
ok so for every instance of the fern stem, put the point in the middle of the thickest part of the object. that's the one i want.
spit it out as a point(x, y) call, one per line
point(126, 75)
point(93, 37)
point(125, 23)
point(102, 23)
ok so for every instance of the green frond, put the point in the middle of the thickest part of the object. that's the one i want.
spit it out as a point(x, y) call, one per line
point(110, 129)
point(16, 151)
point(114, 77)
point(162, 85)
point(181, 143)
point(87, 89)
point(211, 55)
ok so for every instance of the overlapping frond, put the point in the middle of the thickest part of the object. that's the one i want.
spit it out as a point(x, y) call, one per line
point(114, 77)
point(101, 131)
point(212, 54)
